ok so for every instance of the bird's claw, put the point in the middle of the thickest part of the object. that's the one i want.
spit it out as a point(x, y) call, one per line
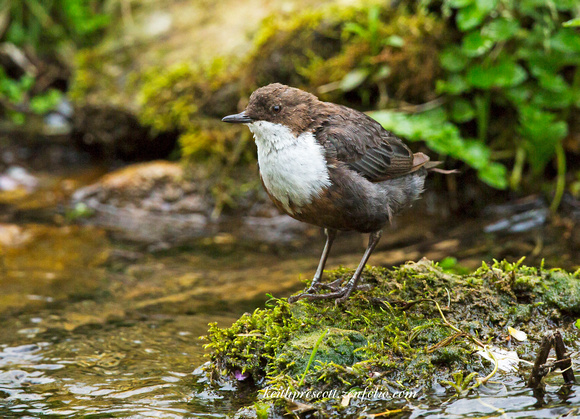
point(340, 295)
point(312, 297)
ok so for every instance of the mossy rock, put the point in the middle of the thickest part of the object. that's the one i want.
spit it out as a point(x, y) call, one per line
point(336, 345)
point(402, 334)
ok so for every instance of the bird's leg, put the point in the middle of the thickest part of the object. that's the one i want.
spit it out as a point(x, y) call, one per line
point(330, 236)
point(343, 293)
point(351, 285)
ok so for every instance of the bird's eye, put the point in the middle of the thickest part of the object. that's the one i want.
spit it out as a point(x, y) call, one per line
point(276, 108)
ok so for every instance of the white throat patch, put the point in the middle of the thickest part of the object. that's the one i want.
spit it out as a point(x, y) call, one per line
point(293, 168)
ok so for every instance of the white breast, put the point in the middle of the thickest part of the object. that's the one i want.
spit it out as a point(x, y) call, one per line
point(293, 168)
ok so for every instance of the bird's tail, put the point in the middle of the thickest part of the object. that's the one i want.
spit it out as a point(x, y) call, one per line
point(423, 160)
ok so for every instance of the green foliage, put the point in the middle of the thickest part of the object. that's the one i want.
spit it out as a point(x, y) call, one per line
point(14, 96)
point(370, 35)
point(572, 23)
point(48, 26)
point(515, 74)
point(51, 28)
point(462, 384)
point(510, 82)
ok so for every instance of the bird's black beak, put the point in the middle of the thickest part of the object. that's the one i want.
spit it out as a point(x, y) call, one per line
point(239, 118)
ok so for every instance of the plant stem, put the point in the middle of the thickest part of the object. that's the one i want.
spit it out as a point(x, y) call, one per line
point(516, 176)
point(561, 179)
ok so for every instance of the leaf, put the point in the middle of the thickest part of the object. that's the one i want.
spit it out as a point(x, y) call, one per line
point(462, 111)
point(487, 5)
point(551, 81)
point(452, 59)
point(382, 73)
point(566, 40)
point(454, 86)
point(46, 102)
point(471, 16)
point(566, 5)
point(475, 153)
point(459, 3)
point(541, 133)
point(17, 118)
point(501, 29)
point(354, 79)
point(356, 29)
point(572, 23)
point(552, 100)
point(506, 73)
point(475, 44)
point(517, 334)
point(26, 82)
point(519, 95)
point(494, 174)
point(528, 7)
point(507, 361)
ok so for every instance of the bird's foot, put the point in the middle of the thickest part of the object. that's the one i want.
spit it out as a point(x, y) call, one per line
point(309, 296)
point(340, 295)
point(333, 286)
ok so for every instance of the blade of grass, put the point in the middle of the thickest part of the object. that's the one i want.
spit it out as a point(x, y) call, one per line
point(312, 355)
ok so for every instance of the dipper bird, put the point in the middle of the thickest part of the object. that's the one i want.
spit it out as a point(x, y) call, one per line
point(331, 166)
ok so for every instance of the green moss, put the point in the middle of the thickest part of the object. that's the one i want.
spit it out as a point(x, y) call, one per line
point(168, 97)
point(286, 44)
point(87, 76)
point(409, 66)
point(555, 288)
point(394, 334)
point(338, 346)
point(97, 80)
point(315, 49)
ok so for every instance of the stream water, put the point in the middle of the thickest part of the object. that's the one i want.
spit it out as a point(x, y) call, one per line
point(90, 327)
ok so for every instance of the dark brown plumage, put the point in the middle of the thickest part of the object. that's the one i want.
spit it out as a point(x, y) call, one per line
point(330, 166)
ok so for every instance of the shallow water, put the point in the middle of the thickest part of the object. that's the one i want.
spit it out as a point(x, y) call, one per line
point(96, 328)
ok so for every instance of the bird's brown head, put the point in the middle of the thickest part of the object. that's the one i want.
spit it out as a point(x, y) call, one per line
point(279, 104)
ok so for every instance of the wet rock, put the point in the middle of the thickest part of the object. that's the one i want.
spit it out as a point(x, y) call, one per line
point(276, 228)
point(154, 203)
point(525, 214)
point(148, 202)
point(16, 177)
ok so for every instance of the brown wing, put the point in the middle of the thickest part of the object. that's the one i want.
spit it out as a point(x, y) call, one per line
point(366, 147)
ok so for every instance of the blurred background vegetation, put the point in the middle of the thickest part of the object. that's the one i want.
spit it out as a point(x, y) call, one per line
point(491, 86)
